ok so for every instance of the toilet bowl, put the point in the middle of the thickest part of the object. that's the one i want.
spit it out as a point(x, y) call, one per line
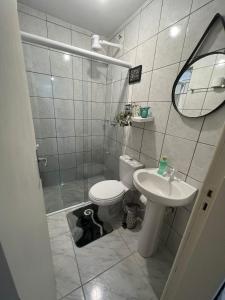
point(108, 194)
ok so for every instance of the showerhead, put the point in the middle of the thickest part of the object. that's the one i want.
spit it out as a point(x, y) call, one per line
point(95, 42)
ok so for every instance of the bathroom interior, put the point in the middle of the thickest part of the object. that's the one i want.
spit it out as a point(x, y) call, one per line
point(127, 109)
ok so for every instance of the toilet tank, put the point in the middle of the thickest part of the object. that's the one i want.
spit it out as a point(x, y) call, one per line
point(127, 167)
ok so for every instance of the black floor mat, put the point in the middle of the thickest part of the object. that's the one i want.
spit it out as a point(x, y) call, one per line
point(83, 229)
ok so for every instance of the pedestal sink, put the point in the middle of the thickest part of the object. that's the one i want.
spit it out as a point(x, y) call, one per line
point(160, 192)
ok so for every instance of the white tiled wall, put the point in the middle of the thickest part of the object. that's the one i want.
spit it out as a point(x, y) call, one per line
point(68, 111)
point(149, 38)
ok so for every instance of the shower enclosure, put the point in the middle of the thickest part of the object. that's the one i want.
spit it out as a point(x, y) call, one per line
point(68, 95)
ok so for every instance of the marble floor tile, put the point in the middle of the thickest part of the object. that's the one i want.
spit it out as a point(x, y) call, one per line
point(65, 267)
point(76, 295)
point(156, 268)
point(124, 281)
point(57, 224)
point(52, 196)
point(100, 255)
point(73, 192)
point(95, 179)
point(131, 237)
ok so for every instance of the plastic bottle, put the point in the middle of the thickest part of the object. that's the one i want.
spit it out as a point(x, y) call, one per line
point(163, 164)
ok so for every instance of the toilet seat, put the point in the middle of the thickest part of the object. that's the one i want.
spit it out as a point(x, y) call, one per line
point(107, 192)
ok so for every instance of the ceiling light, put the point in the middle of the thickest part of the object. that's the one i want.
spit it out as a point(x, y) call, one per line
point(221, 61)
point(174, 31)
point(52, 78)
point(66, 57)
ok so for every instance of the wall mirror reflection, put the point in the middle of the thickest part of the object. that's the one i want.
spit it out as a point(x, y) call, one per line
point(200, 88)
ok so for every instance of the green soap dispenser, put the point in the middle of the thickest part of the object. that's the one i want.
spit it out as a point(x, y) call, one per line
point(163, 164)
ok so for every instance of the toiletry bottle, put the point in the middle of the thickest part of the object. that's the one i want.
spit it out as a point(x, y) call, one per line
point(163, 164)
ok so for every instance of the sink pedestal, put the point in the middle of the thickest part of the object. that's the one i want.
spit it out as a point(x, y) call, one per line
point(150, 232)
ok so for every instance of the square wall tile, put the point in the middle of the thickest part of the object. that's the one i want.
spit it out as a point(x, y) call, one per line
point(160, 112)
point(179, 152)
point(77, 67)
point(67, 161)
point(98, 110)
point(68, 175)
point(79, 109)
point(50, 179)
point(141, 89)
point(44, 128)
point(87, 107)
point(87, 91)
point(188, 128)
point(61, 64)
point(148, 161)
point(59, 33)
point(47, 146)
point(116, 91)
point(87, 69)
point(98, 127)
point(133, 138)
point(42, 107)
point(173, 11)
point(149, 22)
point(66, 145)
point(64, 109)
point(39, 85)
point(162, 83)
point(198, 3)
point(98, 92)
point(170, 44)
point(32, 24)
point(99, 72)
point(36, 59)
point(65, 128)
point(131, 34)
point(63, 88)
point(212, 127)
point(79, 144)
point(79, 127)
point(152, 144)
point(78, 89)
point(201, 161)
point(52, 164)
point(200, 19)
point(81, 40)
point(145, 54)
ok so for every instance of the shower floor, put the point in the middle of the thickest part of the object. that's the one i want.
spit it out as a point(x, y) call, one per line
point(108, 268)
point(58, 197)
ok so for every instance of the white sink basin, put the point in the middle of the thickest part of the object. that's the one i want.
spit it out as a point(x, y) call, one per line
point(160, 190)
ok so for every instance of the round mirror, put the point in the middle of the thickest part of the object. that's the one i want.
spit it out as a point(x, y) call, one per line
point(200, 88)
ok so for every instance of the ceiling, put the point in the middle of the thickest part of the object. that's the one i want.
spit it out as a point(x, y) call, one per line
point(98, 16)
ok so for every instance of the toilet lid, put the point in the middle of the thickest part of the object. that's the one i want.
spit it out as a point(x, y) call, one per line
point(106, 190)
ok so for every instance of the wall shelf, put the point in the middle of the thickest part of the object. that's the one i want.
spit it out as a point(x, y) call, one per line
point(141, 120)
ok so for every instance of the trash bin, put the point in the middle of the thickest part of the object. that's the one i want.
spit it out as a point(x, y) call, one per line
point(130, 208)
point(131, 214)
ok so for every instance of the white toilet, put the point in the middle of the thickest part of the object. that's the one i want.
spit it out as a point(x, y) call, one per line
point(108, 194)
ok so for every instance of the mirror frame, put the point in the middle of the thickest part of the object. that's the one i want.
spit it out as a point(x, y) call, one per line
point(192, 59)
point(185, 68)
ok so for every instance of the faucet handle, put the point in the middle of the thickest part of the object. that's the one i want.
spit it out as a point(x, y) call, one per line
point(171, 170)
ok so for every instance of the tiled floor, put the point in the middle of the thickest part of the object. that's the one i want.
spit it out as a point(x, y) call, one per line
point(109, 268)
point(68, 194)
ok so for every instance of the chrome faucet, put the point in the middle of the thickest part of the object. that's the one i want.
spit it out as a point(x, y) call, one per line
point(171, 173)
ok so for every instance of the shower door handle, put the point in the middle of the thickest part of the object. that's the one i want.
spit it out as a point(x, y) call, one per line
point(44, 160)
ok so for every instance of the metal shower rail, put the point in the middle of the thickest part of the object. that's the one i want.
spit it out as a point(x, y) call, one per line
point(36, 39)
